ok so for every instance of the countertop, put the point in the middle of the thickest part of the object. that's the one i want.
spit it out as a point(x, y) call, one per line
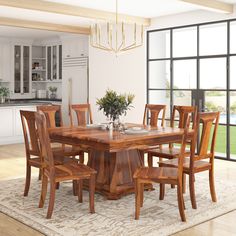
point(29, 102)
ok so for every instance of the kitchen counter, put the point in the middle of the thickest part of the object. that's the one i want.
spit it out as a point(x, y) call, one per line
point(10, 119)
point(29, 102)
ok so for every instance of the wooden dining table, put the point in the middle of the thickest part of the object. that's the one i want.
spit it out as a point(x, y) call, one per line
point(114, 155)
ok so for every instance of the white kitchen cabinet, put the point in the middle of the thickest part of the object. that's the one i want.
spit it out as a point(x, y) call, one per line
point(76, 46)
point(10, 124)
point(5, 61)
point(6, 122)
point(22, 71)
point(54, 62)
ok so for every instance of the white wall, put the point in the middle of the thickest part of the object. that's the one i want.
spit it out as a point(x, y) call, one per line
point(125, 73)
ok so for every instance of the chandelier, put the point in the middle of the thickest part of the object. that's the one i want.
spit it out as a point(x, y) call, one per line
point(116, 36)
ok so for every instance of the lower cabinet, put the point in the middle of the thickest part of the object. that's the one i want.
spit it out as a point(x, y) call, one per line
point(10, 124)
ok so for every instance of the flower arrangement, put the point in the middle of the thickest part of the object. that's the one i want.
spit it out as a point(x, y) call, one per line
point(114, 104)
point(53, 91)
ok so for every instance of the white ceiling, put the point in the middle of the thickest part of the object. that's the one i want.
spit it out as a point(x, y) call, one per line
point(143, 8)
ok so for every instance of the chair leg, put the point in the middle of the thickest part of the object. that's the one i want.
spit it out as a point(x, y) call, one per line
point(51, 199)
point(142, 157)
point(89, 158)
point(57, 185)
point(91, 193)
point(137, 199)
point(80, 190)
point(212, 185)
point(162, 191)
point(192, 191)
point(141, 194)
point(184, 183)
point(27, 180)
point(75, 189)
point(81, 157)
point(181, 202)
point(40, 174)
point(43, 191)
point(150, 160)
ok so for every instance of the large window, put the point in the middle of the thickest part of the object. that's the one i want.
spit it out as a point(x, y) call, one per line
point(196, 65)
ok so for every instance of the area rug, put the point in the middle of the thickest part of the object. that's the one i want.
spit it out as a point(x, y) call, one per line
point(113, 218)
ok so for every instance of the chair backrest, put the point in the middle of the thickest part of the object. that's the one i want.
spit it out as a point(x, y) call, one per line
point(208, 130)
point(155, 111)
point(30, 133)
point(183, 112)
point(44, 140)
point(50, 114)
point(83, 111)
point(184, 142)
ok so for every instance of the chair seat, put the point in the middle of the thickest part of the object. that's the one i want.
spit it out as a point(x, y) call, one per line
point(73, 170)
point(58, 160)
point(156, 173)
point(198, 165)
point(167, 152)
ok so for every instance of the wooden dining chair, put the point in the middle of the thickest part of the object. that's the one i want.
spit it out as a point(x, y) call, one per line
point(204, 159)
point(57, 173)
point(153, 113)
point(33, 157)
point(83, 114)
point(171, 151)
point(50, 112)
point(162, 175)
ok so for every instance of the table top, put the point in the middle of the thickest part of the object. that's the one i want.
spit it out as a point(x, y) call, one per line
point(105, 140)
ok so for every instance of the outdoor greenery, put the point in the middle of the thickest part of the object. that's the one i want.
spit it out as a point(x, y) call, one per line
point(214, 93)
point(115, 105)
point(233, 108)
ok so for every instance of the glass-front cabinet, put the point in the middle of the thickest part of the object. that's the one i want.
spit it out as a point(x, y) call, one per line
point(22, 71)
point(54, 62)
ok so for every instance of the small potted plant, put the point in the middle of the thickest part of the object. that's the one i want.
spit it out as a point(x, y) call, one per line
point(53, 92)
point(114, 105)
point(4, 93)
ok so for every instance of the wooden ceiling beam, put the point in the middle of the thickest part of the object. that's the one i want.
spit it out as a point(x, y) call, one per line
point(65, 9)
point(213, 5)
point(43, 26)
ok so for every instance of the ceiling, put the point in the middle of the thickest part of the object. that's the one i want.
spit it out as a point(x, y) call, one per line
point(141, 8)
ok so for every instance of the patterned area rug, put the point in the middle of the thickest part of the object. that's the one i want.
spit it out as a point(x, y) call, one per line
point(113, 217)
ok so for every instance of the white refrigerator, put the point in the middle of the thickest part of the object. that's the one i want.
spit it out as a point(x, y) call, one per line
point(74, 84)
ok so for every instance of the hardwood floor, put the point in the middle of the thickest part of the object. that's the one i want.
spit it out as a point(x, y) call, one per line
point(14, 156)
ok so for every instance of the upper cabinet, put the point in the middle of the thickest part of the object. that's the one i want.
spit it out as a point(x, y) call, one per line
point(5, 61)
point(76, 46)
point(54, 62)
point(22, 71)
point(38, 63)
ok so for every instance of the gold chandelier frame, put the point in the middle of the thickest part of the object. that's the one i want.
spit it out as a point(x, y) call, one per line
point(114, 42)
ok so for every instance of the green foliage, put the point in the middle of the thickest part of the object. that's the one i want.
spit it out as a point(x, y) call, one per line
point(214, 93)
point(4, 92)
point(115, 105)
point(233, 108)
point(52, 89)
